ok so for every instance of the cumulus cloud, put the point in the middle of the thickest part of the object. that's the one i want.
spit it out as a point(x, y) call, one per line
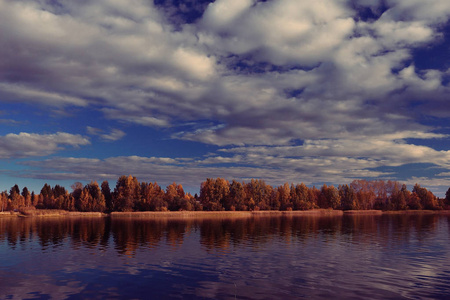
point(161, 169)
point(233, 65)
point(276, 166)
point(114, 135)
point(278, 32)
point(335, 90)
point(313, 162)
point(32, 144)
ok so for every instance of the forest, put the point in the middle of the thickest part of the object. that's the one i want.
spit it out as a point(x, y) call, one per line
point(222, 195)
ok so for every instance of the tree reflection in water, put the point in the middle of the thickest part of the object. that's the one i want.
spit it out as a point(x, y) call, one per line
point(352, 256)
point(131, 234)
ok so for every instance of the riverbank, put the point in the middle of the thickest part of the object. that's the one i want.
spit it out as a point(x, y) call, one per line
point(50, 213)
point(224, 214)
point(364, 212)
point(8, 214)
point(208, 214)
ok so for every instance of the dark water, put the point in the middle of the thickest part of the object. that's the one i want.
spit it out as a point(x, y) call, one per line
point(350, 257)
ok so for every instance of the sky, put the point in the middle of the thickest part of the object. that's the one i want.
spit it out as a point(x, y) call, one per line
point(324, 91)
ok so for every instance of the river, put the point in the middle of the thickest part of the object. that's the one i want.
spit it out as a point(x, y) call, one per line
point(313, 257)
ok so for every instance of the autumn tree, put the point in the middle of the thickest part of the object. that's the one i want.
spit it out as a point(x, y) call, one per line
point(300, 197)
point(126, 193)
point(91, 198)
point(274, 200)
point(365, 193)
point(213, 193)
point(98, 199)
point(447, 197)
point(175, 198)
point(77, 189)
point(414, 202)
point(61, 198)
point(349, 200)
point(34, 199)
point(221, 192)
point(236, 197)
point(284, 196)
point(47, 196)
point(106, 191)
point(16, 199)
point(313, 197)
point(257, 195)
point(329, 197)
point(26, 197)
point(399, 198)
point(84, 201)
point(154, 197)
point(4, 200)
point(427, 199)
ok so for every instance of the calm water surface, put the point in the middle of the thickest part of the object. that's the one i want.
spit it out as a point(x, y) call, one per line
point(350, 257)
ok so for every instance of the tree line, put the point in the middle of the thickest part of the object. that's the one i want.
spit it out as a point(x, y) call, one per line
point(219, 195)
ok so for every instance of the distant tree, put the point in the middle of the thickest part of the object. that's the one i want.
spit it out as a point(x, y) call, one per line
point(414, 202)
point(236, 197)
point(4, 200)
point(34, 199)
point(68, 202)
point(26, 196)
point(59, 196)
point(365, 192)
point(16, 199)
point(106, 191)
point(274, 200)
point(175, 197)
point(156, 198)
point(14, 190)
point(47, 196)
point(221, 192)
point(447, 197)
point(299, 197)
point(329, 197)
point(313, 197)
point(58, 191)
point(210, 198)
point(399, 199)
point(427, 199)
point(97, 199)
point(126, 194)
point(349, 200)
point(77, 189)
point(284, 197)
point(257, 195)
point(83, 202)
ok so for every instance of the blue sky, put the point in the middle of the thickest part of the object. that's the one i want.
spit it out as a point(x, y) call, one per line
point(285, 91)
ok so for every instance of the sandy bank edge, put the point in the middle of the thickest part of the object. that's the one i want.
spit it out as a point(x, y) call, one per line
point(223, 214)
point(212, 214)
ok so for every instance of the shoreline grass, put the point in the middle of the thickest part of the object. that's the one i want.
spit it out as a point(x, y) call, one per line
point(209, 214)
point(57, 213)
point(223, 214)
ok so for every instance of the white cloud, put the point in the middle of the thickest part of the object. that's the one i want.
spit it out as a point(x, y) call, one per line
point(223, 13)
point(279, 32)
point(138, 69)
point(432, 11)
point(114, 135)
point(14, 92)
point(246, 73)
point(32, 144)
point(383, 151)
point(275, 169)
